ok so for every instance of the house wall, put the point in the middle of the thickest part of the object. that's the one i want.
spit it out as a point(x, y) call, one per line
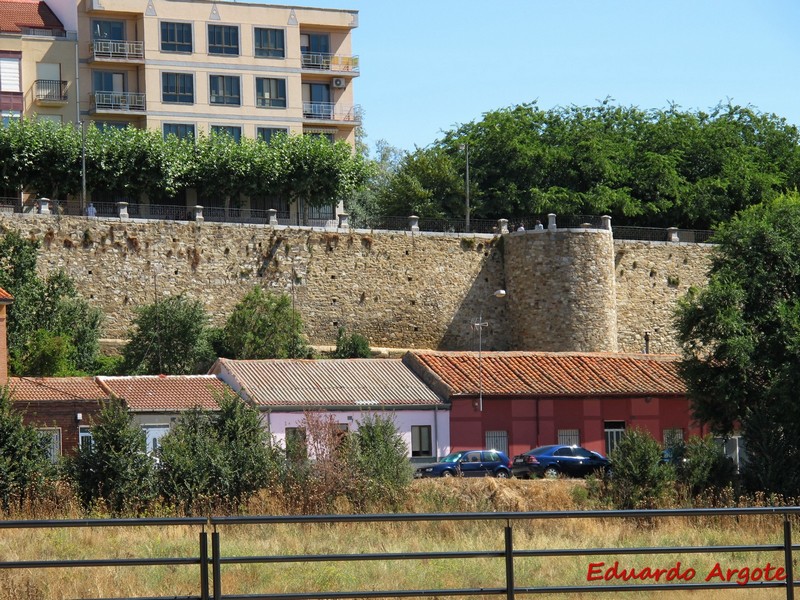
point(62, 415)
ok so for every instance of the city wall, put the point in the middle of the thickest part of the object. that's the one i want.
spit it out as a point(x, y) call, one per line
point(567, 289)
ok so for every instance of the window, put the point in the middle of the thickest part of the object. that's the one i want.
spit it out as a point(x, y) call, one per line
point(421, 440)
point(673, 437)
point(10, 75)
point(569, 437)
point(614, 431)
point(269, 42)
point(270, 92)
point(108, 81)
point(182, 131)
point(176, 37)
point(229, 130)
point(153, 435)
point(265, 134)
point(84, 438)
point(108, 30)
point(10, 115)
point(223, 39)
point(52, 437)
point(315, 48)
point(497, 440)
point(177, 88)
point(225, 90)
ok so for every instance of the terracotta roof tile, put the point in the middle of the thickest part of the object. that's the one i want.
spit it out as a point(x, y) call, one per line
point(32, 389)
point(165, 393)
point(5, 296)
point(321, 383)
point(16, 14)
point(550, 373)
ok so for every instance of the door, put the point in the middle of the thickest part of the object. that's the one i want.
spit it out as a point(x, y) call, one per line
point(317, 101)
point(472, 465)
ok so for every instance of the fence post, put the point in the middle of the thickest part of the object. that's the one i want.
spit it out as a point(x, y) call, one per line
point(203, 565)
point(787, 553)
point(509, 563)
point(215, 557)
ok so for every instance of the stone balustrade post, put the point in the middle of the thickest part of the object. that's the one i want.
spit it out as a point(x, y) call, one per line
point(343, 221)
point(272, 216)
point(551, 222)
point(606, 222)
point(502, 226)
point(44, 206)
point(413, 223)
point(123, 210)
point(198, 214)
point(672, 234)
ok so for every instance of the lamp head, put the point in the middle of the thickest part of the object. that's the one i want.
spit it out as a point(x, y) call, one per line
point(500, 294)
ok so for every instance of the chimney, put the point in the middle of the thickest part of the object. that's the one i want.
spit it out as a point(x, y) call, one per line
point(5, 300)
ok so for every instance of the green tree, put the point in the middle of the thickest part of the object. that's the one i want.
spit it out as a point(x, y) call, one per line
point(702, 466)
point(114, 470)
point(224, 169)
point(169, 336)
point(639, 480)
point(351, 346)
point(25, 466)
point(740, 337)
point(381, 457)
point(264, 325)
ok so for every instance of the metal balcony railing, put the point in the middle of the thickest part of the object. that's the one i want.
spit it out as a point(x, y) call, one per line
point(117, 49)
point(330, 62)
point(330, 111)
point(126, 101)
point(49, 32)
point(50, 90)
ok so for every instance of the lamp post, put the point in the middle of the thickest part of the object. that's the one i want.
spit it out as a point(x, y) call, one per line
point(479, 325)
point(465, 148)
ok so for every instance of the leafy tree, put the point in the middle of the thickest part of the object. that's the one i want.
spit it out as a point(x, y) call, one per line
point(46, 355)
point(264, 325)
point(351, 346)
point(114, 469)
point(169, 336)
point(364, 206)
point(639, 479)
point(224, 168)
point(25, 466)
point(381, 458)
point(702, 466)
point(740, 337)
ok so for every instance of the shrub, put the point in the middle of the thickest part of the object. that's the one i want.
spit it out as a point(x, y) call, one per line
point(639, 478)
point(351, 346)
point(381, 458)
point(702, 466)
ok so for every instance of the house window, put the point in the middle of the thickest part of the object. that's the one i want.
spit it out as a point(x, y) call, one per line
point(421, 440)
point(614, 431)
point(497, 440)
point(225, 90)
point(182, 131)
point(229, 130)
point(52, 437)
point(270, 93)
point(108, 81)
point(673, 437)
point(176, 37)
point(177, 88)
point(10, 75)
point(153, 435)
point(108, 30)
point(223, 39)
point(269, 42)
point(315, 48)
point(10, 115)
point(569, 437)
point(84, 438)
point(265, 134)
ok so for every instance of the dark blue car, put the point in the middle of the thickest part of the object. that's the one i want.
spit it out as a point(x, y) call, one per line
point(555, 460)
point(468, 463)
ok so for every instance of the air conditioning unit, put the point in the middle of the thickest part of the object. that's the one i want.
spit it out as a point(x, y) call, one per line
point(339, 82)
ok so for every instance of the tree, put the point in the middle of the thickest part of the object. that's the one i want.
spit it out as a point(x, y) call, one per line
point(264, 325)
point(640, 480)
point(351, 346)
point(114, 468)
point(381, 457)
point(740, 338)
point(169, 336)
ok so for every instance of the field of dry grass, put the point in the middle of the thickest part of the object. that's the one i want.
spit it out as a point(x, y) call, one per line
point(428, 496)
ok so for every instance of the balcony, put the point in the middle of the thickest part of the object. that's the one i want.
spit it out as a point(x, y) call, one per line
point(340, 63)
point(116, 51)
point(118, 102)
point(49, 92)
point(330, 111)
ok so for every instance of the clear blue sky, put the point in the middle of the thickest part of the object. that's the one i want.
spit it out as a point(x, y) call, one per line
point(429, 65)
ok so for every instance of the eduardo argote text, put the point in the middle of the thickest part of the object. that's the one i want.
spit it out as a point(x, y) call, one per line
point(600, 571)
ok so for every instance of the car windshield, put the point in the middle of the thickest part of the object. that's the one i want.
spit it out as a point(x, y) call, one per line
point(453, 457)
point(541, 450)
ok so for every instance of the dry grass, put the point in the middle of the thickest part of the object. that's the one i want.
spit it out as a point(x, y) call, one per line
point(428, 496)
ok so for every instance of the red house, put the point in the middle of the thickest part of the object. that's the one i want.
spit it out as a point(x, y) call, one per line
point(515, 401)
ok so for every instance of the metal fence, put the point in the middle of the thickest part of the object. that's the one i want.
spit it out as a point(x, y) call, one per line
point(210, 565)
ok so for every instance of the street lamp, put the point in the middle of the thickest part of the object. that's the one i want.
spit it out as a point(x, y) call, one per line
point(479, 325)
point(465, 148)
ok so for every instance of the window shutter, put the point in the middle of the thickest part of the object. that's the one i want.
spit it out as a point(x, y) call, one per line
point(9, 75)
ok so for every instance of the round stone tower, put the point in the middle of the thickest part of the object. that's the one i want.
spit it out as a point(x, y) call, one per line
point(561, 288)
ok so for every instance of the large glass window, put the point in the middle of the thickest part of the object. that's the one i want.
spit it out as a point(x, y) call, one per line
point(269, 42)
point(223, 39)
point(177, 88)
point(108, 30)
point(225, 90)
point(421, 440)
point(85, 437)
point(179, 130)
point(614, 431)
point(229, 130)
point(52, 436)
point(270, 93)
point(266, 134)
point(176, 37)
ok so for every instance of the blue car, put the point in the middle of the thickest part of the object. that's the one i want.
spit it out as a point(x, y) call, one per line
point(552, 461)
point(468, 463)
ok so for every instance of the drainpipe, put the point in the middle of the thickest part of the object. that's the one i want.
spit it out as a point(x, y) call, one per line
point(647, 342)
point(436, 431)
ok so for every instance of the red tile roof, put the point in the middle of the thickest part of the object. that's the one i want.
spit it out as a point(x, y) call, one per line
point(357, 382)
point(16, 14)
point(5, 296)
point(33, 389)
point(549, 373)
point(165, 393)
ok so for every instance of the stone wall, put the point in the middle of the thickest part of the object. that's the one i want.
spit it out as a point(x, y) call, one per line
point(567, 289)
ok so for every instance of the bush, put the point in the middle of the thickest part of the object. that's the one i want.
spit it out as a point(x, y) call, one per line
point(701, 466)
point(381, 458)
point(639, 478)
point(351, 346)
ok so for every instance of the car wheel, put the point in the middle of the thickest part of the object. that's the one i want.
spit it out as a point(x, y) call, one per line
point(447, 473)
point(551, 473)
point(503, 474)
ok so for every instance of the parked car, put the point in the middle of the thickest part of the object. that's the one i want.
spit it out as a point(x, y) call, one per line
point(555, 460)
point(468, 463)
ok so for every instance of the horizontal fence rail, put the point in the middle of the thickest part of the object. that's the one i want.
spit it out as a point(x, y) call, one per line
point(601, 576)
